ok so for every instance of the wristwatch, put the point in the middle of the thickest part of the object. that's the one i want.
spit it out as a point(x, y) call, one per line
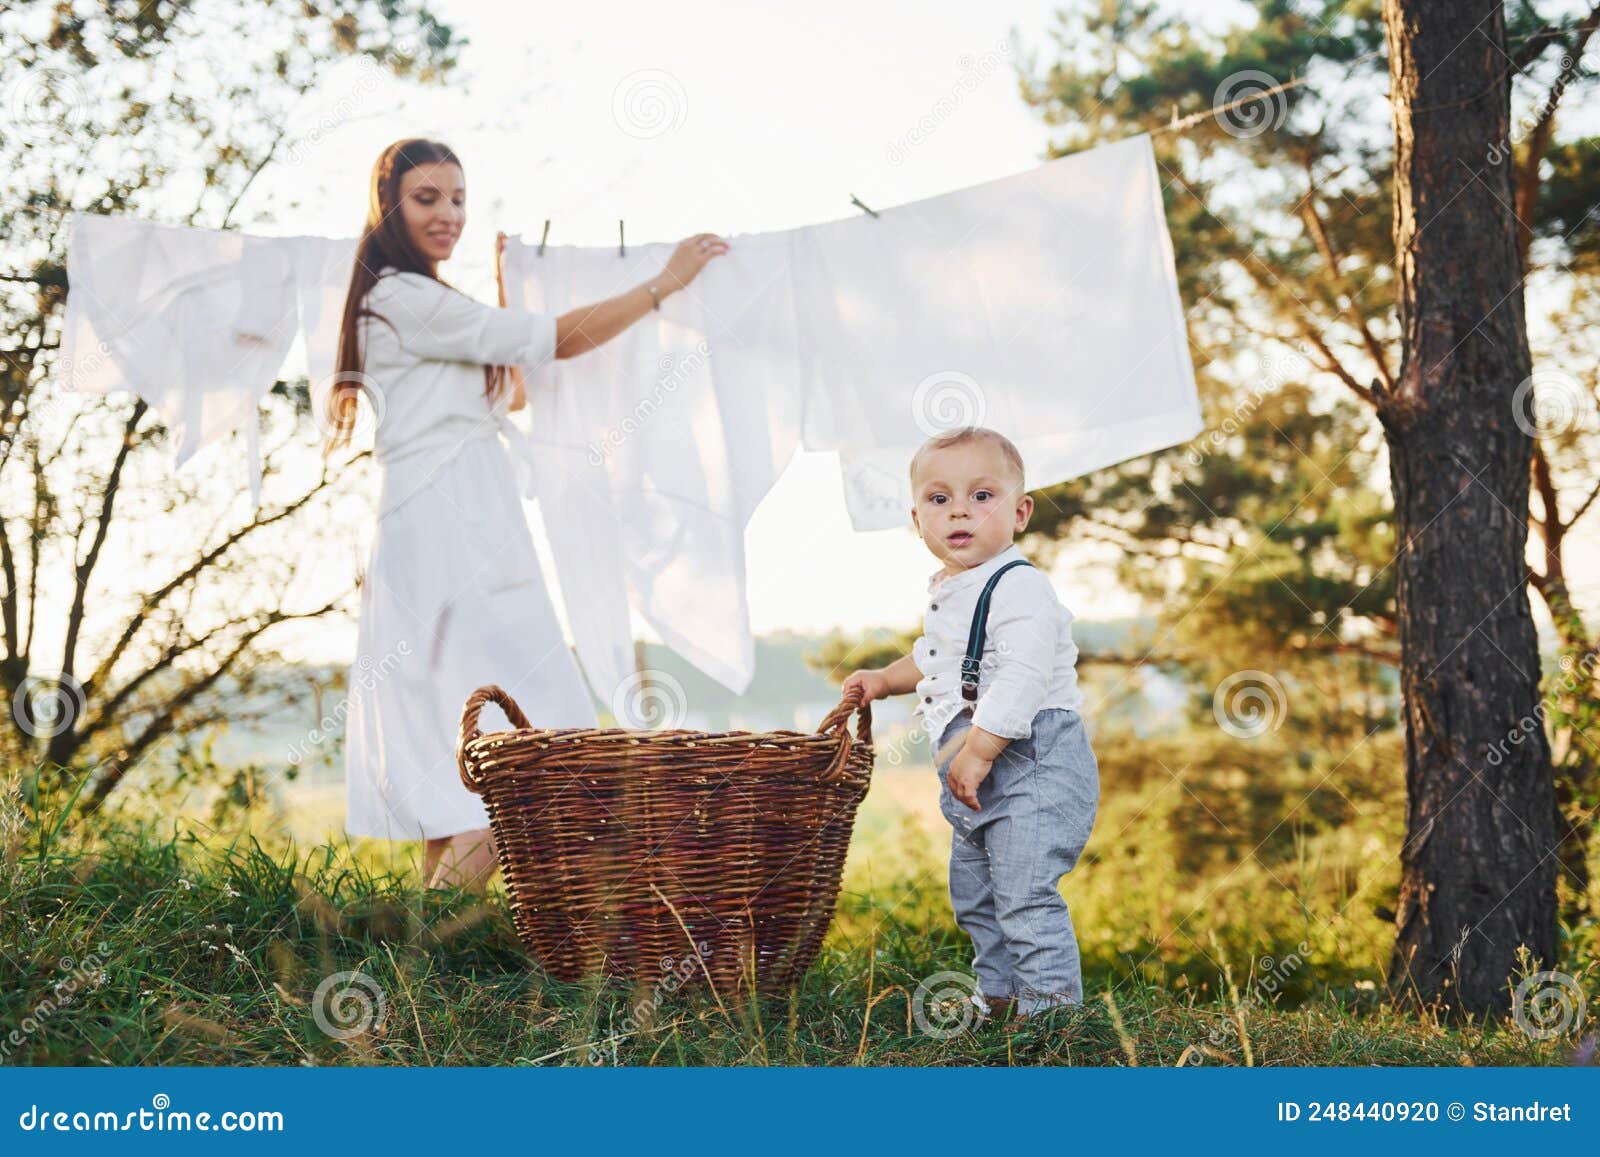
point(655, 295)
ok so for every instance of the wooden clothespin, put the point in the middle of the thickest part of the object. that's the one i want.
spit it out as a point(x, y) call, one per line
point(856, 201)
point(545, 236)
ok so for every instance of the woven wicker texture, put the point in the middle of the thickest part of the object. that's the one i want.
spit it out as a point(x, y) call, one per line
point(641, 854)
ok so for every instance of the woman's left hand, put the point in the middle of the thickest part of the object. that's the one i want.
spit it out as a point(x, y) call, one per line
point(499, 266)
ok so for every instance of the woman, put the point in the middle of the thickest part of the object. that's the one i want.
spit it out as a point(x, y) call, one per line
point(452, 597)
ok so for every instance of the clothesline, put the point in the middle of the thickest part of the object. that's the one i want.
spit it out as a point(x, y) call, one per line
point(1182, 124)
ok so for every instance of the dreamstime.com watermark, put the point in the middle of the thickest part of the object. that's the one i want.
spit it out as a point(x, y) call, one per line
point(45, 706)
point(1575, 674)
point(676, 972)
point(1270, 975)
point(922, 729)
point(1521, 127)
point(946, 401)
point(370, 672)
point(674, 372)
point(156, 1119)
point(1250, 103)
point(973, 71)
point(1551, 402)
point(87, 973)
point(348, 104)
point(649, 103)
point(1277, 369)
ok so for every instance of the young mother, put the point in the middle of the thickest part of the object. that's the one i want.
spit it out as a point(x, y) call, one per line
point(452, 597)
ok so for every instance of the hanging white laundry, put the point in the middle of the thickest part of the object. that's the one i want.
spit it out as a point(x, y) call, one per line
point(310, 277)
point(1043, 305)
point(653, 451)
point(156, 310)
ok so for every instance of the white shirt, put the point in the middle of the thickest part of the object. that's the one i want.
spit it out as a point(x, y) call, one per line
point(428, 370)
point(1029, 659)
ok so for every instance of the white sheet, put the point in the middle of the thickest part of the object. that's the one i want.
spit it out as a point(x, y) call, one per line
point(152, 309)
point(652, 452)
point(1044, 305)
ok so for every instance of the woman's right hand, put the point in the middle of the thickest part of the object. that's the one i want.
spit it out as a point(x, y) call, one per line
point(690, 257)
point(871, 684)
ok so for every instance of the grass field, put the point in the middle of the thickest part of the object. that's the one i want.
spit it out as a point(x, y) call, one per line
point(1227, 908)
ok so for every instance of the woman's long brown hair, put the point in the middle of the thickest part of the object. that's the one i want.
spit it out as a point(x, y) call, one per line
point(384, 241)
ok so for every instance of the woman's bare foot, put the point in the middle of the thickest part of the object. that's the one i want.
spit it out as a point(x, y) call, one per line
point(431, 851)
point(466, 861)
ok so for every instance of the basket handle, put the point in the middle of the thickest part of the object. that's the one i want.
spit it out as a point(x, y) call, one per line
point(839, 718)
point(469, 722)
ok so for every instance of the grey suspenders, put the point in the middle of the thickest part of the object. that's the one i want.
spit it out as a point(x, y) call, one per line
point(980, 617)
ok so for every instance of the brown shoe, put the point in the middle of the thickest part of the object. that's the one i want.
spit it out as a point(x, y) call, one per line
point(999, 1007)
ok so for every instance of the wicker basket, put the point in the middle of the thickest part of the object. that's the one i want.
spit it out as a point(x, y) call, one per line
point(652, 854)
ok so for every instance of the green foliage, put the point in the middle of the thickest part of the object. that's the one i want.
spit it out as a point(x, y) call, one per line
point(1229, 908)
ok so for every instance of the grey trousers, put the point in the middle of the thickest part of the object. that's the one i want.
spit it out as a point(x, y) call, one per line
point(1038, 806)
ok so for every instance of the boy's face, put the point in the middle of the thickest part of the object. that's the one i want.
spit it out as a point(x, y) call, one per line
point(968, 504)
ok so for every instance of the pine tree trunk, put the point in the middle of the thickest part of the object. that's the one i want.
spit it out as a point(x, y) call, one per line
point(1478, 867)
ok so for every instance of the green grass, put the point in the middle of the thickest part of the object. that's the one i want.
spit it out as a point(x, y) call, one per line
point(194, 949)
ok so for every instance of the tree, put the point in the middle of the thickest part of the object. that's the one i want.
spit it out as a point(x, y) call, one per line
point(1277, 151)
point(101, 119)
point(1478, 882)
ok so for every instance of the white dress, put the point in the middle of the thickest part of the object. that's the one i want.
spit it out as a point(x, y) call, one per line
point(453, 597)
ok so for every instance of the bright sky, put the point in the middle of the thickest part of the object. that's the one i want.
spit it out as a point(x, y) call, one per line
point(767, 121)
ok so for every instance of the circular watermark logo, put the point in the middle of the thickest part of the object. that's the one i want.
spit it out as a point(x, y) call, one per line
point(1549, 402)
point(1249, 104)
point(359, 419)
point(1547, 1005)
point(45, 706)
point(945, 1004)
point(1248, 704)
point(649, 103)
point(347, 1004)
point(45, 104)
point(650, 699)
point(947, 400)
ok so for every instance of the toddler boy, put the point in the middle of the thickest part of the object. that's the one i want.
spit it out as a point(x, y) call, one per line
point(1019, 782)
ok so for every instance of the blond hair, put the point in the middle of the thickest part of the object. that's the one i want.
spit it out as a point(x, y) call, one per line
point(966, 434)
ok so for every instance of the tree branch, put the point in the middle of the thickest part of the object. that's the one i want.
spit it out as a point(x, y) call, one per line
point(1527, 194)
point(162, 724)
point(205, 559)
point(1319, 235)
point(86, 567)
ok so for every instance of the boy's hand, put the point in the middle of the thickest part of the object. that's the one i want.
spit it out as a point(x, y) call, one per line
point(871, 684)
point(967, 771)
